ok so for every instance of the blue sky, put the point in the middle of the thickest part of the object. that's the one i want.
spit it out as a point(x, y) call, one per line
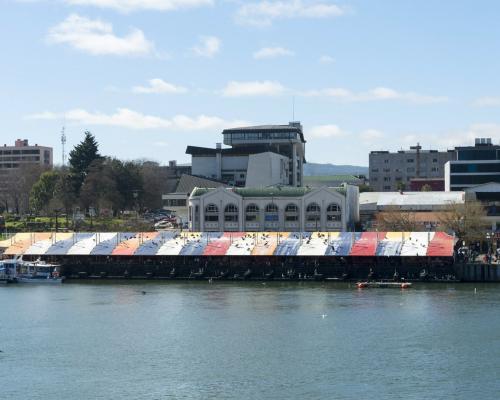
point(149, 77)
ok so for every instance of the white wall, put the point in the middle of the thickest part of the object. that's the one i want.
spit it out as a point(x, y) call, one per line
point(266, 169)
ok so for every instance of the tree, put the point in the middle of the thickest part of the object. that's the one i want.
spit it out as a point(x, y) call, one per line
point(401, 186)
point(426, 188)
point(395, 220)
point(43, 191)
point(64, 192)
point(17, 184)
point(155, 180)
point(99, 187)
point(466, 220)
point(81, 158)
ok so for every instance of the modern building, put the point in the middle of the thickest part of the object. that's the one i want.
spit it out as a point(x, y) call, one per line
point(390, 172)
point(424, 209)
point(21, 163)
point(264, 155)
point(22, 153)
point(489, 195)
point(285, 209)
point(473, 165)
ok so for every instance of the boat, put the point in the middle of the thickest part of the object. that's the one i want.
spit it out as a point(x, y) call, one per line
point(395, 285)
point(9, 270)
point(39, 272)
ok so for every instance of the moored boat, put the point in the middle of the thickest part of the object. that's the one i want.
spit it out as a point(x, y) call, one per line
point(39, 272)
point(395, 285)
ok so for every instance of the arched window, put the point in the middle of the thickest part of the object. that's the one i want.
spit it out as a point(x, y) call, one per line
point(231, 213)
point(211, 213)
point(252, 212)
point(271, 208)
point(313, 212)
point(291, 212)
point(333, 212)
point(271, 213)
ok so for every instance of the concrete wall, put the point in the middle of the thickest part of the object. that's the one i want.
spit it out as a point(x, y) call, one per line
point(266, 169)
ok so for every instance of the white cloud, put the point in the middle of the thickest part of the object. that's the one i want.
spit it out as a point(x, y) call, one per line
point(467, 136)
point(263, 13)
point(159, 86)
point(137, 5)
point(488, 102)
point(272, 52)
point(129, 119)
point(253, 88)
point(96, 37)
point(377, 94)
point(208, 46)
point(324, 59)
point(326, 131)
point(371, 135)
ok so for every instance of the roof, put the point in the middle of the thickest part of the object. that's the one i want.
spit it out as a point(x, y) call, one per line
point(231, 151)
point(188, 182)
point(268, 128)
point(334, 178)
point(277, 191)
point(412, 200)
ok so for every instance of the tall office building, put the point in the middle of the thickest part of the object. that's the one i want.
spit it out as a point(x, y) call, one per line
point(392, 171)
point(259, 156)
point(473, 165)
point(19, 166)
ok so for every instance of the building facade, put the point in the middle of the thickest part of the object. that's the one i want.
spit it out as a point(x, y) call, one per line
point(264, 155)
point(283, 209)
point(473, 165)
point(394, 171)
point(19, 165)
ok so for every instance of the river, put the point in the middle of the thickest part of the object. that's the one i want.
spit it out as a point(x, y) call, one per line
point(181, 340)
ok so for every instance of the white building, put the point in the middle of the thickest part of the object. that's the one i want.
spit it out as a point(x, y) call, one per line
point(259, 156)
point(285, 209)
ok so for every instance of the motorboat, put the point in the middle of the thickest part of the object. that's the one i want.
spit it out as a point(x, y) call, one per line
point(9, 270)
point(39, 272)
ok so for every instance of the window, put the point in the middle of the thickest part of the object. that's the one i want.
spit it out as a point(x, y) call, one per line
point(409, 160)
point(271, 212)
point(291, 213)
point(410, 169)
point(252, 212)
point(386, 161)
point(387, 179)
point(434, 169)
point(434, 160)
point(333, 212)
point(211, 213)
point(387, 188)
point(313, 212)
point(231, 213)
point(374, 169)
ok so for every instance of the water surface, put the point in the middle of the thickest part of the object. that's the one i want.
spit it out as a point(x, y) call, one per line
point(249, 341)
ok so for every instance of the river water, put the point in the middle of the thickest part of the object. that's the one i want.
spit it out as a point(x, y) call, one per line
point(249, 341)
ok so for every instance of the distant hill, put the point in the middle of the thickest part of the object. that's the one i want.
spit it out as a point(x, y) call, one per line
point(313, 169)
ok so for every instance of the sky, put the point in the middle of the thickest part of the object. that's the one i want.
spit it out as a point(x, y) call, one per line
point(150, 77)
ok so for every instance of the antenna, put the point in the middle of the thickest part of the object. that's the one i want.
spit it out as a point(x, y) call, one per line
point(63, 143)
point(293, 108)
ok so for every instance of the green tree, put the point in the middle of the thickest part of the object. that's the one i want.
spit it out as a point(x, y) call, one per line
point(43, 191)
point(81, 158)
point(426, 188)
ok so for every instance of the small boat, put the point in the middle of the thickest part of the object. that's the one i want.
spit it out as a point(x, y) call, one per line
point(9, 270)
point(39, 272)
point(394, 285)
